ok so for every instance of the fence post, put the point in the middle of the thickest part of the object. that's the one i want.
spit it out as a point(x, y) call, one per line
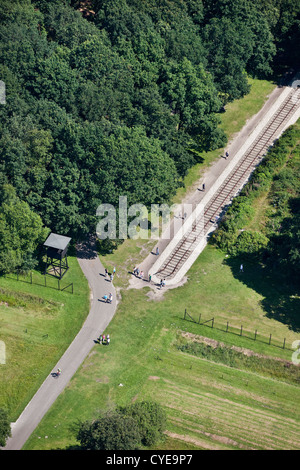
point(45, 280)
point(30, 277)
point(212, 324)
point(270, 339)
point(227, 327)
point(58, 284)
point(184, 313)
point(72, 287)
point(283, 344)
point(255, 335)
point(199, 318)
point(241, 333)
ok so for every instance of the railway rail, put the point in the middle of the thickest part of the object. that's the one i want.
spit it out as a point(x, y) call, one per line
point(231, 186)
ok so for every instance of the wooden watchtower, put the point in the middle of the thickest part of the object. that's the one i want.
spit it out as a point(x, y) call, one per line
point(56, 247)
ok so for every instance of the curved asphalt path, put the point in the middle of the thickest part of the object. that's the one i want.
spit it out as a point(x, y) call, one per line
point(98, 319)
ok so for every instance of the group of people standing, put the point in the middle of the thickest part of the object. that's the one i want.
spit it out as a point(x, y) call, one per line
point(111, 276)
point(108, 298)
point(104, 339)
point(140, 274)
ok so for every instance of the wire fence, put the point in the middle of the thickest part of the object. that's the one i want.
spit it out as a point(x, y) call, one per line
point(239, 331)
point(42, 280)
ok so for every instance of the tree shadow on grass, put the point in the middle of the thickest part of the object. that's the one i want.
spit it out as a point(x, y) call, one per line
point(87, 249)
point(281, 300)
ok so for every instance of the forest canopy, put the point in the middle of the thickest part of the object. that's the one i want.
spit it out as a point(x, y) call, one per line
point(109, 97)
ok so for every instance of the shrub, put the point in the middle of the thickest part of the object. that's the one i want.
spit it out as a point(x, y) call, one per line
point(5, 431)
point(126, 428)
point(111, 431)
point(249, 243)
point(150, 418)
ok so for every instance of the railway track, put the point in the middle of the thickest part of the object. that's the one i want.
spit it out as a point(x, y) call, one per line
point(233, 183)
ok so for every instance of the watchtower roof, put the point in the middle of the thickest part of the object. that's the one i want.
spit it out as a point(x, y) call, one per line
point(59, 242)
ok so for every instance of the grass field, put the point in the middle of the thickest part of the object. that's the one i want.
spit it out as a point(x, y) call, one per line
point(37, 325)
point(209, 403)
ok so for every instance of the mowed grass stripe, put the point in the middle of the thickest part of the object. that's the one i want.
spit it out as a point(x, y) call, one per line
point(183, 388)
point(222, 441)
point(233, 420)
point(255, 393)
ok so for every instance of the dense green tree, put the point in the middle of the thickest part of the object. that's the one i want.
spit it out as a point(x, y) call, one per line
point(192, 97)
point(128, 163)
point(150, 418)
point(283, 16)
point(53, 79)
point(5, 431)
point(63, 24)
point(111, 431)
point(124, 100)
point(238, 39)
point(126, 428)
point(21, 231)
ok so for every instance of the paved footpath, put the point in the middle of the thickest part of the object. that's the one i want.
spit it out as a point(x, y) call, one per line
point(97, 321)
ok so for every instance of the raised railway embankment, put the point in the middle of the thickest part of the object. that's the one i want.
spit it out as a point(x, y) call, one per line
point(188, 239)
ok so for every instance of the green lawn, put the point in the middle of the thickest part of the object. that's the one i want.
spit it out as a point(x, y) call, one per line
point(37, 325)
point(209, 404)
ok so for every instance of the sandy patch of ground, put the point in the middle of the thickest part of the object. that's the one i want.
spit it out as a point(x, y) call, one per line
point(155, 292)
point(103, 380)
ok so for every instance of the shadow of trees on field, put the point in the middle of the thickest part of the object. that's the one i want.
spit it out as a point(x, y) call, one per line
point(280, 292)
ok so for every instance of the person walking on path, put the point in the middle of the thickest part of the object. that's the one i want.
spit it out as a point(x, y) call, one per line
point(111, 278)
point(203, 187)
point(157, 251)
point(226, 155)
